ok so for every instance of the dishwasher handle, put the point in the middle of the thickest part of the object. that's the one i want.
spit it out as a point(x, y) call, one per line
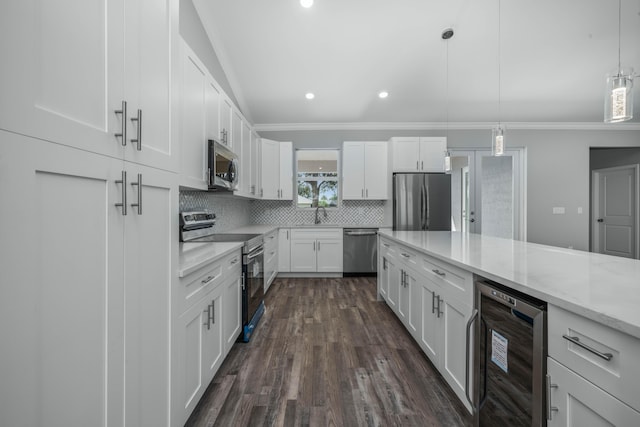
point(360, 233)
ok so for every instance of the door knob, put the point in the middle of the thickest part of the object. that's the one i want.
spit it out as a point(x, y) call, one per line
point(600, 220)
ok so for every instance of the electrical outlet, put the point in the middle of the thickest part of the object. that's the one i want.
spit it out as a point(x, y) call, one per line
point(579, 209)
point(558, 211)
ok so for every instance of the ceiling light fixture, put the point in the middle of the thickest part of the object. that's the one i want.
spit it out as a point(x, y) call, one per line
point(446, 35)
point(306, 3)
point(383, 94)
point(309, 95)
point(497, 133)
point(618, 101)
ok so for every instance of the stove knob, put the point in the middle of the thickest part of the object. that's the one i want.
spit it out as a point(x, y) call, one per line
point(188, 217)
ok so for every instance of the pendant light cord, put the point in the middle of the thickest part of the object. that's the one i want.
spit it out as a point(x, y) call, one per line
point(499, 61)
point(619, 34)
point(447, 89)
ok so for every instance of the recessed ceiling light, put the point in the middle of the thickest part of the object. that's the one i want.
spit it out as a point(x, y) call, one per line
point(309, 95)
point(306, 3)
point(383, 94)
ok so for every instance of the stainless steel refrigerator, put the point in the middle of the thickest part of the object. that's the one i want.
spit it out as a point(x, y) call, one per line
point(421, 201)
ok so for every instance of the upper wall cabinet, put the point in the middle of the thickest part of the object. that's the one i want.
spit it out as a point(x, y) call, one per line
point(86, 74)
point(418, 154)
point(364, 170)
point(277, 170)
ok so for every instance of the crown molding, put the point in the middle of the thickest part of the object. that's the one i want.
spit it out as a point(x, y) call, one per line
point(268, 127)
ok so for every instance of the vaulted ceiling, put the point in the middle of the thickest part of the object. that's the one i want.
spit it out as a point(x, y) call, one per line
point(510, 60)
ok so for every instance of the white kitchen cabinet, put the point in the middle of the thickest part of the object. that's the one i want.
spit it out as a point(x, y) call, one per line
point(243, 150)
point(66, 74)
point(213, 99)
point(201, 346)
point(277, 170)
point(255, 164)
point(270, 258)
point(430, 331)
point(316, 250)
point(87, 303)
point(226, 117)
point(205, 332)
point(418, 154)
point(364, 170)
point(577, 402)
point(196, 117)
point(284, 250)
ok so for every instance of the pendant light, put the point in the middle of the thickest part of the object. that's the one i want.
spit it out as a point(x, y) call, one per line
point(497, 133)
point(446, 35)
point(618, 101)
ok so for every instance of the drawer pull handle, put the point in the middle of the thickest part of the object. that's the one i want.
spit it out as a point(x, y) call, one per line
point(576, 341)
point(208, 279)
point(439, 273)
point(406, 255)
point(385, 245)
point(234, 261)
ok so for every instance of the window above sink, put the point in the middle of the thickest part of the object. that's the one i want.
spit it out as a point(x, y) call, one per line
point(317, 178)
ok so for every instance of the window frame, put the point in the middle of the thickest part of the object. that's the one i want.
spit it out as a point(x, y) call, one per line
point(338, 179)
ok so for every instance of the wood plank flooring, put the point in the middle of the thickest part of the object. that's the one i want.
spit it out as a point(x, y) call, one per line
point(326, 353)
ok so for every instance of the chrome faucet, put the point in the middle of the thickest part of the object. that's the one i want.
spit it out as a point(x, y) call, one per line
point(323, 210)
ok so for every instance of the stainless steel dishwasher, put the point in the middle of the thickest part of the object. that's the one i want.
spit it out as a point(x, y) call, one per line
point(360, 252)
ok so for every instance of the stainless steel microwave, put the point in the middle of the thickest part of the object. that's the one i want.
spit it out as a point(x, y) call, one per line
point(222, 167)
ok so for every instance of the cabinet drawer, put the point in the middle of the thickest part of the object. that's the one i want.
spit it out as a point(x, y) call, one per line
point(233, 264)
point(619, 376)
point(316, 233)
point(198, 283)
point(388, 249)
point(407, 256)
point(455, 282)
point(271, 240)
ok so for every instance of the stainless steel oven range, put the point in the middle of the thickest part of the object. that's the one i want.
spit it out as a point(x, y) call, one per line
point(198, 227)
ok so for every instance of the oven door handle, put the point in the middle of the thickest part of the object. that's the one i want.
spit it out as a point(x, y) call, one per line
point(256, 254)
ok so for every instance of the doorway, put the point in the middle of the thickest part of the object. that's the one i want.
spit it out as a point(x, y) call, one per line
point(488, 193)
point(615, 216)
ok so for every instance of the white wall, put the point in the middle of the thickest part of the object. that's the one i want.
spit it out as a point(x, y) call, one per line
point(557, 169)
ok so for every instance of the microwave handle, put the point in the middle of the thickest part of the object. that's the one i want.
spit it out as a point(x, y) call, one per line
point(233, 171)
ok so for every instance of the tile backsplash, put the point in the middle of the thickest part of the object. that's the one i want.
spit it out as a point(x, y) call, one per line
point(233, 212)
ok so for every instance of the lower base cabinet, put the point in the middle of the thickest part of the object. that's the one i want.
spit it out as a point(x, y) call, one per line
point(316, 250)
point(576, 402)
point(204, 335)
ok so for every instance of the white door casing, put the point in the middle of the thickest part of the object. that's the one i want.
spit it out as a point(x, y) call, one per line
point(615, 210)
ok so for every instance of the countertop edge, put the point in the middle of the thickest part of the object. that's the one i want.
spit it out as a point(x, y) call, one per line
point(210, 252)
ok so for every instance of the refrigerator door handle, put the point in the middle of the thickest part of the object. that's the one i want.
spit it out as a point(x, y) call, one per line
point(424, 198)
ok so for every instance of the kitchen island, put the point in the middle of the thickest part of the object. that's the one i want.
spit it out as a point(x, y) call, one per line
point(592, 326)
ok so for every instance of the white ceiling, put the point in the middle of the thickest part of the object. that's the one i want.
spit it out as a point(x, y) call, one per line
point(554, 55)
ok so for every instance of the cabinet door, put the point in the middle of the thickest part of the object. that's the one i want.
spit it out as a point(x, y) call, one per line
point(286, 170)
point(353, 170)
point(303, 255)
point(376, 179)
point(284, 250)
point(193, 144)
point(232, 310)
point(212, 110)
point(414, 292)
point(430, 333)
point(150, 29)
point(270, 169)
point(383, 277)
point(406, 153)
point(453, 345)
point(581, 403)
point(394, 284)
point(403, 298)
point(329, 255)
point(235, 140)
point(245, 160)
point(432, 152)
point(61, 311)
point(226, 111)
point(149, 263)
point(255, 164)
point(62, 72)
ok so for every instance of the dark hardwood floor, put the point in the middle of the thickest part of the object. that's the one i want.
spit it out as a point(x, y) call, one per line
point(326, 353)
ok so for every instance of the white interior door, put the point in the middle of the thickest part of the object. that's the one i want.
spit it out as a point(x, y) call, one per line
point(615, 211)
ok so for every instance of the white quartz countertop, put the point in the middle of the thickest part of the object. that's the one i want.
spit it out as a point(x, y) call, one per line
point(599, 287)
point(192, 256)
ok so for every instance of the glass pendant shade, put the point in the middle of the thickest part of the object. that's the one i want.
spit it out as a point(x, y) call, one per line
point(497, 141)
point(618, 102)
point(447, 162)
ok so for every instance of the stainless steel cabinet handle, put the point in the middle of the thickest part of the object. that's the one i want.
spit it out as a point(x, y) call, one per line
point(123, 181)
point(550, 409)
point(287, 234)
point(417, 165)
point(472, 319)
point(213, 312)
point(362, 192)
point(576, 341)
point(314, 246)
point(439, 273)
point(422, 165)
point(123, 130)
point(235, 261)
point(318, 246)
point(138, 138)
point(208, 311)
point(405, 255)
point(138, 204)
point(439, 302)
point(208, 279)
point(366, 193)
point(384, 263)
point(433, 302)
